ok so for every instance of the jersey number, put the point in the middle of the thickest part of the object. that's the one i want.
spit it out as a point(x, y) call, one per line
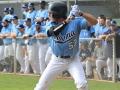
point(72, 43)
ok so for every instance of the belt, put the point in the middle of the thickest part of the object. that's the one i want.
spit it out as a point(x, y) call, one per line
point(21, 44)
point(7, 44)
point(64, 57)
point(30, 44)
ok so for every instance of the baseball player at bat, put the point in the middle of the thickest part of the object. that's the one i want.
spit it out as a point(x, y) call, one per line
point(65, 46)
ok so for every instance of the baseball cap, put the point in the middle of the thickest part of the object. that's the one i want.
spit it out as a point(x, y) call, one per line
point(6, 20)
point(6, 9)
point(25, 5)
point(28, 19)
point(15, 17)
point(113, 23)
point(38, 23)
point(30, 4)
point(20, 26)
point(42, 2)
point(11, 8)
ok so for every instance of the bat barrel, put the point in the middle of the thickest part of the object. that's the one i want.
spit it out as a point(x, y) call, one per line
point(76, 1)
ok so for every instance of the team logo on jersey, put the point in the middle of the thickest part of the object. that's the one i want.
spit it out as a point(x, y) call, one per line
point(65, 38)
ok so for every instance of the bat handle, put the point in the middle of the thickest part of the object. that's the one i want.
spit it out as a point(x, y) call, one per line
point(76, 1)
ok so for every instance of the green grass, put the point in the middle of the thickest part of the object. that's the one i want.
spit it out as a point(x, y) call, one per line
point(17, 82)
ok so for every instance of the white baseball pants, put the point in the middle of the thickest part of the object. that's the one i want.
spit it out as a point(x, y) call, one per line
point(8, 50)
point(20, 55)
point(42, 53)
point(110, 67)
point(1, 52)
point(48, 55)
point(89, 67)
point(31, 59)
point(58, 65)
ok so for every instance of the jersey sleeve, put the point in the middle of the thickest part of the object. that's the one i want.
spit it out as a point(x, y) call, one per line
point(84, 24)
point(81, 23)
point(46, 14)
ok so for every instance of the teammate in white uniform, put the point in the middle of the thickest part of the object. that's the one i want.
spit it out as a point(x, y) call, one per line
point(8, 48)
point(20, 46)
point(43, 46)
point(31, 47)
point(65, 46)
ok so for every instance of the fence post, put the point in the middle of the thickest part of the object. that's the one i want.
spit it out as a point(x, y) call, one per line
point(114, 61)
point(15, 63)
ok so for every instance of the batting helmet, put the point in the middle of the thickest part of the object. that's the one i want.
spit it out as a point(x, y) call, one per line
point(58, 9)
point(20, 26)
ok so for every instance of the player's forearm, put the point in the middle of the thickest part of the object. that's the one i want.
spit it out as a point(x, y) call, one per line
point(90, 18)
point(102, 36)
point(41, 35)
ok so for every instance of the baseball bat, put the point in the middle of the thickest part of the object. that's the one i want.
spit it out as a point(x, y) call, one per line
point(76, 1)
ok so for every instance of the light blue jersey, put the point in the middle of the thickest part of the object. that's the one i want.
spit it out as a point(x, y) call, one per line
point(67, 42)
point(44, 40)
point(20, 41)
point(6, 30)
point(42, 14)
point(84, 33)
point(14, 28)
point(100, 29)
point(30, 31)
point(31, 15)
point(8, 17)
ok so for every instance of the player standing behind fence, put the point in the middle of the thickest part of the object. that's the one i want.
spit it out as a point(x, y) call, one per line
point(42, 17)
point(65, 47)
point(1, 42)
point(31, 47)
point(85, 56)
point(20, 46)
point(8, 48)
point(25, 10)
point(114, 31)
point(42, 13)
point(43, 46)
point(31, 12)
point(6, 13)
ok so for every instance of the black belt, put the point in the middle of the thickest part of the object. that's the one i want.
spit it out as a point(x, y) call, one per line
point(7, 44)
point(64, 57)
